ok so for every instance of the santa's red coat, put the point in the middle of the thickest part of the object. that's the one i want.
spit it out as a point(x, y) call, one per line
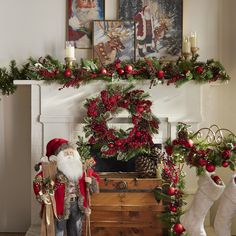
point(60, 190)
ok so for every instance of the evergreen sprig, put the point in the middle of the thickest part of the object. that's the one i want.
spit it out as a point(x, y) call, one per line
point(50, 69)
point(206, 153)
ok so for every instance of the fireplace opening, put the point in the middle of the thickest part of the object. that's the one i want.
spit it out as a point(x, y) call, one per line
point(114, 165)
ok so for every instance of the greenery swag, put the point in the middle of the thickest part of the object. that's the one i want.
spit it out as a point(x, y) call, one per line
point(152, 69)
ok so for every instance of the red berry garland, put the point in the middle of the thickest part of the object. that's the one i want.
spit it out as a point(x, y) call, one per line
point(122, 144)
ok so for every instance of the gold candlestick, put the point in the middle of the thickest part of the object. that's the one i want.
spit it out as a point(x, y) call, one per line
point(194, 50)
point(186, 55)
point(69, 62)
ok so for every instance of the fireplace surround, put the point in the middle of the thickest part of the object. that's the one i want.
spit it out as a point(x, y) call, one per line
point(59, 113)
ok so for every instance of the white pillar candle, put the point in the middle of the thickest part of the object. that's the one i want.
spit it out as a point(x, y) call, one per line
point(70, 50)
point(186, 45)
point(193, 39)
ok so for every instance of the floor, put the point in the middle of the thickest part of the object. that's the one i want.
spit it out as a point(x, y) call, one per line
point(210, 232)
point(12, 234)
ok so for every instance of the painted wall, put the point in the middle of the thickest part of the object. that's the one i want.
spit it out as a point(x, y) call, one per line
point(227, 95)
point(36, 28)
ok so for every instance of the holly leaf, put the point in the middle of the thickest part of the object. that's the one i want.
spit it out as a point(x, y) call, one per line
point(89, 65)
point(121, 156)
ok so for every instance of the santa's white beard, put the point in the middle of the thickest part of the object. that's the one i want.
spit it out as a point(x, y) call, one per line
point(70, 166)
point(86, 15)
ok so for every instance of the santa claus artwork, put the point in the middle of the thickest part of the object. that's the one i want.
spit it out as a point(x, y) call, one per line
point(63, 190)
point(144, 31)
point(80, 16)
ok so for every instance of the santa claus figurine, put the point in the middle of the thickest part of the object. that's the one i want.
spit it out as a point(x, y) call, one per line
point(63, 187)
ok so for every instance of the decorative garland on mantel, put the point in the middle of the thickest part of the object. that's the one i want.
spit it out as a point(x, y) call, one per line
point(156, 71)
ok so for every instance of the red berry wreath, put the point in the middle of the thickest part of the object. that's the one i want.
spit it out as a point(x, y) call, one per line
point(120, 143)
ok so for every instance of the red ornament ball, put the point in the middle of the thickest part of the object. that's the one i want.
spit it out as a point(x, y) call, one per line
point(128, 69)
point(173, 208)
point(217, 179)
point(202, 162)
point(171, 191)
point(188, 143)
point(199, 69)
point(225, 164)
point(210, 167)
point(160, 74)
point(226, 154)
point(67, 73)
point(178, 228)
point(103, 71)
point(120, 71)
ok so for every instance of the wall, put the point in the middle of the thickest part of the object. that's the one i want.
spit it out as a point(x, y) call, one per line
point(37, 28)
point(227, 96)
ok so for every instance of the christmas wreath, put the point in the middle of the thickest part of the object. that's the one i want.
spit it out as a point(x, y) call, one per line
point(122, 144)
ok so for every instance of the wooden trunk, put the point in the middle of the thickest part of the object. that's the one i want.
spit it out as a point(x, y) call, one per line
point(126, 206)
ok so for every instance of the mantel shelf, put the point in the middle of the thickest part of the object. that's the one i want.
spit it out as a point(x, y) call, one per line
point(28, 82)
point(145, 82)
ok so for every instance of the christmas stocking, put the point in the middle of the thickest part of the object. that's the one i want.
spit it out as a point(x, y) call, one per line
point(208, 191)
point(226, 210)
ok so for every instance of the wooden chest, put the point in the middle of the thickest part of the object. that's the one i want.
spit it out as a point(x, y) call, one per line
point(126, 206)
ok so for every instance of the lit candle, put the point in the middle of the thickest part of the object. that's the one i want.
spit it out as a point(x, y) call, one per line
point(70, 50)
point(193, 39)
point(186, 45)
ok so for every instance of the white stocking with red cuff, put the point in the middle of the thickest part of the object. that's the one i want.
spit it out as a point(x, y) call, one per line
point(226, 210)
point(208, 191)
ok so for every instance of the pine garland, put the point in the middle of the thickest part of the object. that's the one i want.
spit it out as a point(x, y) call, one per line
point(152, 69)
point(200, 153)
point(172, 194)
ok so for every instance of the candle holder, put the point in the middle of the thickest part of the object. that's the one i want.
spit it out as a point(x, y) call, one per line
point(186, 55)
point(194, 50)
point(70, 61)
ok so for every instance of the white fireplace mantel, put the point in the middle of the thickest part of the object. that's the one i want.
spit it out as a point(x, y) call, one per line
point(59, 113)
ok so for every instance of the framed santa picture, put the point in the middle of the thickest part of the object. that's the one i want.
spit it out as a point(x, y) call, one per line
point(158, 26)
point(81, 14)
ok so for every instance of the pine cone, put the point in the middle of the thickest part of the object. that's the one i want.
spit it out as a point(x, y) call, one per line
point(145, 166)
point(183, 134)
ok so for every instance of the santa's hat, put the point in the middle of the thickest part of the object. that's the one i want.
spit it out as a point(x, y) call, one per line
point(57, 145)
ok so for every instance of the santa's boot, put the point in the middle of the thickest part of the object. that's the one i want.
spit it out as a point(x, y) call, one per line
point(140, 52)
point(150, 50)
point(226, 210)
point(208, 191)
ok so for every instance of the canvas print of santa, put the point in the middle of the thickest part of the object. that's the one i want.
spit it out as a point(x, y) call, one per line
point(81, 13)
point(158, 26)
point(113, 40)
